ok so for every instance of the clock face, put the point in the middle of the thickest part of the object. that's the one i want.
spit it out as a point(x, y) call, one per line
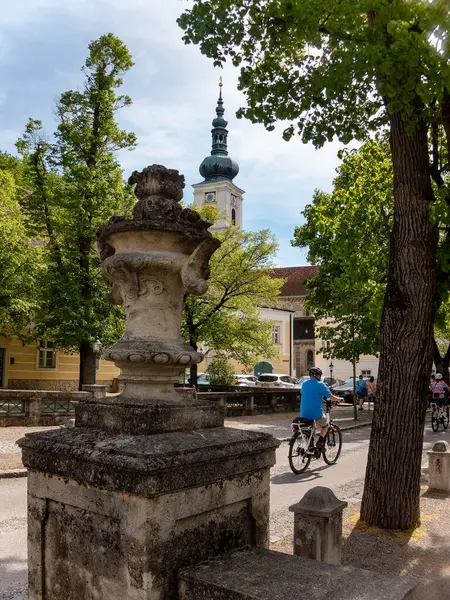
point(210, 197)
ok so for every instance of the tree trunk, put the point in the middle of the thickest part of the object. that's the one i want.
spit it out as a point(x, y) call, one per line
point(355, 414)
point(86, 364)
point(392, 485)
point(441, 363)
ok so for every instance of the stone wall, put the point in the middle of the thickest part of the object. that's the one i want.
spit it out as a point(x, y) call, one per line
point(255, 401)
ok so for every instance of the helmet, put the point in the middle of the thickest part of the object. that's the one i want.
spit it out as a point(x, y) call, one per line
point(315, 372)
point(438, 376)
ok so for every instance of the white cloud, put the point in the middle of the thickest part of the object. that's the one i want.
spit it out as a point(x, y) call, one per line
point(174, 89)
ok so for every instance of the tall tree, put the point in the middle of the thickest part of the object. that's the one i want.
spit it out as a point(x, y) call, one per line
point(20, 259)
point(78, 185)
point(340, 70)
point(227, 318)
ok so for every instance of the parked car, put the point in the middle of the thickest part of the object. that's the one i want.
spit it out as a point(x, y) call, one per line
point(277, 380)
point(202, 379)
point(345, 391)
point(332, 381)
point(249, 380)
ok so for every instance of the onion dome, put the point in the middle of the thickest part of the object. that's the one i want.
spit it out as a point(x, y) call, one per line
point(219, 165)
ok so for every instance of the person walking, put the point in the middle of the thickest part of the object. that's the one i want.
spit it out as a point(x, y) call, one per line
point(361, 391)
point(371, 390)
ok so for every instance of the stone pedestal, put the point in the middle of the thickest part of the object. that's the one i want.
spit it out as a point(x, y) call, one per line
point(318, 526)
point(150, 480)
point(115, 516)
point(439, 467)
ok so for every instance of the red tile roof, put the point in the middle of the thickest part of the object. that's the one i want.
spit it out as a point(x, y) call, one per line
point(295, 278)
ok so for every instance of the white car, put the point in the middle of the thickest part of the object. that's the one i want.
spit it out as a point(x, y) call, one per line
point(277, 380)
point(248, 380)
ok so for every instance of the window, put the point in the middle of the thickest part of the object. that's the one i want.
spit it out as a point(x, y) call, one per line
point(366, 372)
point(310, 359)
point(46, 355)
point(233, 216)
point(276, 334)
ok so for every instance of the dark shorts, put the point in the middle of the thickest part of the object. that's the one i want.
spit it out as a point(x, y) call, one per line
point(361, 395)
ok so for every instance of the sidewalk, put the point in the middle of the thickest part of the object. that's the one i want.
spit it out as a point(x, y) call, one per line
point(277, 424)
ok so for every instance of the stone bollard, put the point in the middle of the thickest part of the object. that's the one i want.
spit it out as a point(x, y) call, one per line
point(439, 467)
point(98, 391)
point(318, 526)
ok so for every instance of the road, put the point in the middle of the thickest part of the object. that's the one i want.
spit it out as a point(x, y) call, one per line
point(346, 479)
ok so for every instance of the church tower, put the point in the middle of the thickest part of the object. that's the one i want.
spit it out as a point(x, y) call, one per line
point(218, 171)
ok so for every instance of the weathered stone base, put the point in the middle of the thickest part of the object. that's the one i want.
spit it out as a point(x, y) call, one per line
point(265, 575)
point(116, 516)
point(150, 419)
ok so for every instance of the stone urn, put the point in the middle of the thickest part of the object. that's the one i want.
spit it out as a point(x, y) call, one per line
point(153, 261)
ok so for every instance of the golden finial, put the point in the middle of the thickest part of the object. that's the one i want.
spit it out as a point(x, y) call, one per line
point(220, 82)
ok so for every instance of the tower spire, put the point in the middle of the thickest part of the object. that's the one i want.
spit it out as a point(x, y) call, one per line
point(219, 131)
point(218, 165)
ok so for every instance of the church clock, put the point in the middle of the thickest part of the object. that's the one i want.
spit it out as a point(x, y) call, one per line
point(210, 197)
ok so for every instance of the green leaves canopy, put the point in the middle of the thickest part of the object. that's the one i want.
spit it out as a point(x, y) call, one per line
point(347, 233)
point(227, 319)
point(77, 186)
point(331, 69)
point(20, 260)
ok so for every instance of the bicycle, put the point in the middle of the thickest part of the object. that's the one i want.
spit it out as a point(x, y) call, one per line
point(439, 415)
point(302, 448)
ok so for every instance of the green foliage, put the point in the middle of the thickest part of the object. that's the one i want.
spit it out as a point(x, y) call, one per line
point(220, 372)
point(21, 261)
point(77, 186)
point(329, 69)
point(347, 233)
point(227, 318)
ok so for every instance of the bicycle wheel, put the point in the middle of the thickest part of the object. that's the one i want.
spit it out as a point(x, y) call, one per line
point(445, 418)
point(434, 422)
point(298, 459)
point(333, 445)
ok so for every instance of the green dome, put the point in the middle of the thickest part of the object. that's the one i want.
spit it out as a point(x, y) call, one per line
point(217, 167)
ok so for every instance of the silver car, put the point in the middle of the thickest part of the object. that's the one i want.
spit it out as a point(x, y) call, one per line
point(277, 380)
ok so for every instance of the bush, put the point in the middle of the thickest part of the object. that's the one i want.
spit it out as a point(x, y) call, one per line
point(219, 372)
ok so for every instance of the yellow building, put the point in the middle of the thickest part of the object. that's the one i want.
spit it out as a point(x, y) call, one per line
point(38, 366)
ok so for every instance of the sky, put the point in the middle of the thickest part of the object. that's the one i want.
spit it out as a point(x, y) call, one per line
point(174, 88)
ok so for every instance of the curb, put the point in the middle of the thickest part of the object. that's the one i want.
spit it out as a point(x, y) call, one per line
point(348, 428)
point(13, 473)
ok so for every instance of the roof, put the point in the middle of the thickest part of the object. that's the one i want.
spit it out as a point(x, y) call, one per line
point(295, 276)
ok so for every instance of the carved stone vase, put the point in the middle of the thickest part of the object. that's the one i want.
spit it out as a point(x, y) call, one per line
point(152, 262)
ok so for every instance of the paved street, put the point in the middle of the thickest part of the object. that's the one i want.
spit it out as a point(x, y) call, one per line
point(346, 478)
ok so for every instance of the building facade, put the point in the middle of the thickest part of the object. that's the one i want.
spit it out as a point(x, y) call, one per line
point(293, 295)
point(39, 366)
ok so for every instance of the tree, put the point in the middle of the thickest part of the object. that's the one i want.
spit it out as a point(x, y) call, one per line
point(347, 233)
point(227, 318)
point(219, 372)
point(78, 186)
point(21, 263)
point(341, 70)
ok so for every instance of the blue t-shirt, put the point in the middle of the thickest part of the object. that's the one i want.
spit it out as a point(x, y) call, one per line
point(311, 403)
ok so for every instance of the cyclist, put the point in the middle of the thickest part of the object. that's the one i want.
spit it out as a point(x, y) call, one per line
point(313, 391)
point(438, 387)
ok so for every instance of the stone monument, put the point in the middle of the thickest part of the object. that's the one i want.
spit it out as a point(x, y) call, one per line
point(148, 481)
